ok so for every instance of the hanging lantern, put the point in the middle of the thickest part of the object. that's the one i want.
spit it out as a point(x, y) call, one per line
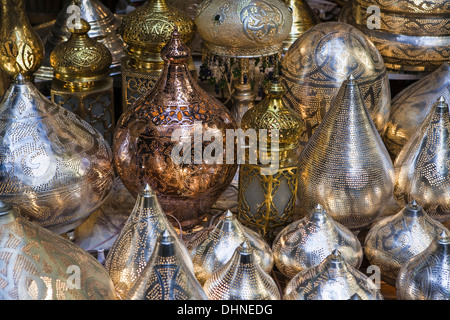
point(345, 166)
point(37, 264)
point(422, 167)
point(241, 278)
point(307, 242)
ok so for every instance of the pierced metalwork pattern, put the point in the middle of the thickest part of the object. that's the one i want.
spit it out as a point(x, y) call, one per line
point(345, 166)
point(242, 278)
point(422, 167)
point(307, 242)
point(332, 279)
point(394, 240)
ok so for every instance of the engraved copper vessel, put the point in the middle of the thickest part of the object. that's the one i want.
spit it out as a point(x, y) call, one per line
point(410, 107)
point(427, 275)
point(345, 166)
point(241, 278)
point(307, 242)
point(55, 168)
point(144, 150)
point(422, 168)
point(37, 264)
point(318, 62)
point(392, 241)
point(166, 275)
point(136, 242)
point(332, 279)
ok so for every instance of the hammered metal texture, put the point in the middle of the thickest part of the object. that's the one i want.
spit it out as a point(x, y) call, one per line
point(305, 243)
point(394, 240)
point(166, 275)
point(411, 106)
point(55, 168)
point(332, 279)
point(422, 167)
point(37, 264)
point(213, 252)
point(241, 278)
point(345, 166)
point(317, 64)
point(136, 242)
point(427, 276)
point(143, 142)
point(243, 29)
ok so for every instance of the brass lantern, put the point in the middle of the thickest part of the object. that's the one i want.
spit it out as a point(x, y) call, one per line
point(318, 62)
point(268, 192)
point(82, 83)
point(422, 167)
point(37, 264)
point(345, 166)
point(307, 242)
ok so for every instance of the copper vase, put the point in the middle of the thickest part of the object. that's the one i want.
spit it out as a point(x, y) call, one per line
point(149, 136)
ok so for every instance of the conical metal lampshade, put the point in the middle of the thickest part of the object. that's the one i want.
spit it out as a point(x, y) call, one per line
point(37, 264)
point(411, 106)
point(167, 276)
point(427, 275)
point(345, 166)
point(242, 278)
point(332, 279)
point(394, 240)
point(135, 244)
point(307, 242)
point(218, 248)
point(422, 168)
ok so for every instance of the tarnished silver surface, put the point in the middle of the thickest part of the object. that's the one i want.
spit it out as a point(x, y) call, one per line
point(410, 107)
point(332, 279)
point(307, 242)
point(394, 240)
point(218, 246)
point(166, 275)
point(345, 166)
point(55, 168)
point(427, 275)
point(241, 278)
point(422, 168)
point(135, 245)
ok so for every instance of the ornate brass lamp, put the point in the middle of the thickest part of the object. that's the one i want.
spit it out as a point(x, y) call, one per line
point(392, 241)
point(427, 275)
point(268, 192)
point(241, 278)
point(166, 275)
point(217, 248)
point(307, 242)
point(37, 264)
point(345, 166)
point(145, 31)
point(332, 279)
point(422, 167)
point(82, 83)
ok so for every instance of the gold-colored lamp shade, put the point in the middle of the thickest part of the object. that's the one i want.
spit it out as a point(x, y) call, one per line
point(411, 106)
point(241, 278)
point(37, 264)
point(56, 169)
point(136, 242)
point(345, 166)
point(332, 279)
point(305, 243)
point(394, 240)
point(218, 247)
point(318, 62)
point(422, 168)
point(427, 275)
point(166, 275)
